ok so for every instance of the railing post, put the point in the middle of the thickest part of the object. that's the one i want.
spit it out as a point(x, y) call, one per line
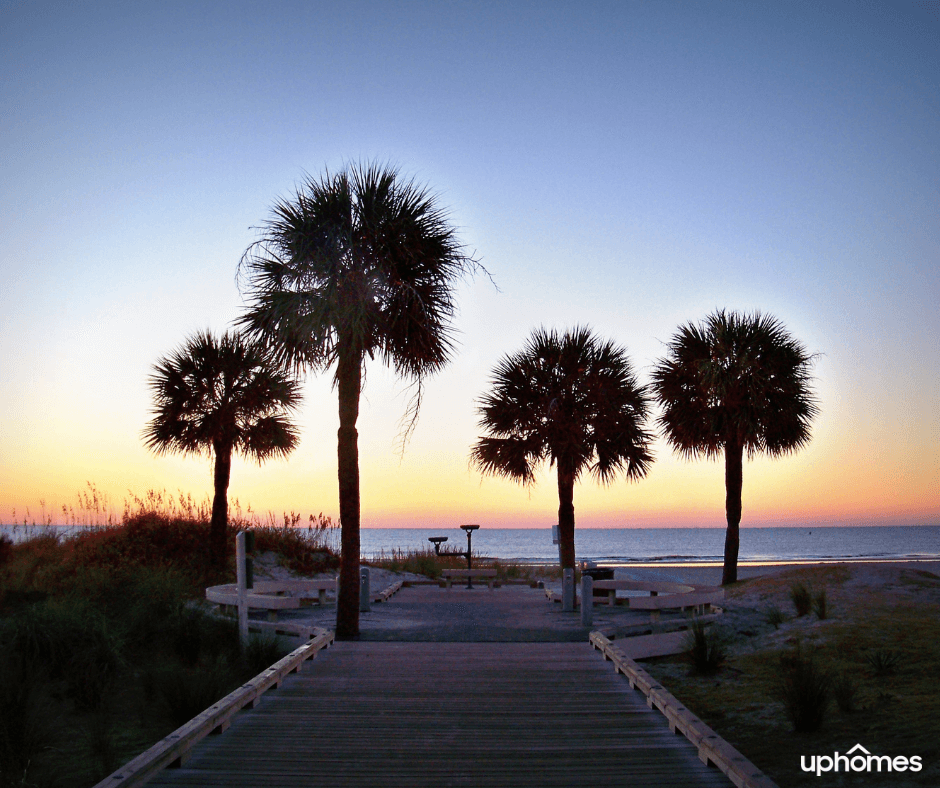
point(365, 597)
point(241, 575)
point(567, 591)
point(587, 600)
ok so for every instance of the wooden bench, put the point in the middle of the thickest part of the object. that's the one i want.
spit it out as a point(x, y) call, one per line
point(699, 601)
point(654, 588)
point(271, 595)
point(487, 575)
point(662, 596)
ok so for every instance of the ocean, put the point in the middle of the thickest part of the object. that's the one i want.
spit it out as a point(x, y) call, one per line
point(663, 546)
point(656, 546)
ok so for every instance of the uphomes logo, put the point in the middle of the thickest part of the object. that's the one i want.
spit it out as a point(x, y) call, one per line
point(858, 759)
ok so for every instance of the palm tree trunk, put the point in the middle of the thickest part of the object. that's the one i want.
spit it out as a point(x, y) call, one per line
point(218, 527)
point(566, 516)
point(349, 384)
point(734, 474)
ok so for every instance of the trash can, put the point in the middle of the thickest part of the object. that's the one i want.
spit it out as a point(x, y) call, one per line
point(596, 573)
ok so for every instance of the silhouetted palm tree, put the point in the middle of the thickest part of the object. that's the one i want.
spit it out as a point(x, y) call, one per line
point(219, 396)
point(573, 400)
point(358, 264)
point(737, 383)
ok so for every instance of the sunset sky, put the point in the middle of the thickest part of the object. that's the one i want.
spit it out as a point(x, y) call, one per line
point(628, 165)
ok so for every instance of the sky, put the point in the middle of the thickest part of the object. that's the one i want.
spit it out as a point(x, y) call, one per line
point(631, 166)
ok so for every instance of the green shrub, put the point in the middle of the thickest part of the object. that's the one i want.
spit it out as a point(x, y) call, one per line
point(802, 598)
point(706, 648)
point(804, 688)
point(187, 692)
point(71, 642)
point(883, 662)
point(775, 616)
point(28, 719)
point(820, 606)
point(262, 651)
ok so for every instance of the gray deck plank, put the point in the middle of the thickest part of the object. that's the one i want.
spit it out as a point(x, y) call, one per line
point(449, 714)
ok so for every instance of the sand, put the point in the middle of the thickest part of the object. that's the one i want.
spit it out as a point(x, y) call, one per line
point(521, 613)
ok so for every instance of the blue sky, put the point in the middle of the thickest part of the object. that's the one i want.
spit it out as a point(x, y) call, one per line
point(629, 165)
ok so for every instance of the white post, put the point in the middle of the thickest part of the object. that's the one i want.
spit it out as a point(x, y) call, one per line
point(241, 575)
point(567, 591)
point(365, 598)
point(587, 600)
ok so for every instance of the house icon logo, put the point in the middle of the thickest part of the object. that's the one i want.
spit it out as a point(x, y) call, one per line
point(859, 759)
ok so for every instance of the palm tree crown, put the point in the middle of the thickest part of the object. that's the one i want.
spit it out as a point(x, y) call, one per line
point(219, 396)
point(736, 383)
point(357, 264)
point(573, 400)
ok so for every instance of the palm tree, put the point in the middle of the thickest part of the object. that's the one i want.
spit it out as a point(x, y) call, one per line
point(358, 264)
point(736, 383)
point(573, 400)
point(221, 396)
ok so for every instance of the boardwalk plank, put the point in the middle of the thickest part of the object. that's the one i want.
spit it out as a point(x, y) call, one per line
point(449, 714)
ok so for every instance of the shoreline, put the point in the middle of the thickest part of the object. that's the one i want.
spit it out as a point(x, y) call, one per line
point(710, 574)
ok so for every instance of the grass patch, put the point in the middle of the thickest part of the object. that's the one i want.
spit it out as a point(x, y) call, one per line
point(775, 616)
point(802, 599)
point(706, 648)
point(883, 662)
point(897, 714)
point(805, 689)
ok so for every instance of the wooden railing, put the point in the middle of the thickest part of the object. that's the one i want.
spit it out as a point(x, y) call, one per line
point(711, 747)
point(173, 750)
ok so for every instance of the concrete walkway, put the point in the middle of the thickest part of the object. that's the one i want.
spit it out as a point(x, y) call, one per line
point(515, 613)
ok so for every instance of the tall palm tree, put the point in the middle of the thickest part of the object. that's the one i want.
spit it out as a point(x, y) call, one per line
point(357, 264)
point(571, 399)
point(736, 383)
point(219, 396)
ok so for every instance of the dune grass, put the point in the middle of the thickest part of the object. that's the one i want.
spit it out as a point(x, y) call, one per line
point(427, 563)
point(106, 644)
point(819, 686)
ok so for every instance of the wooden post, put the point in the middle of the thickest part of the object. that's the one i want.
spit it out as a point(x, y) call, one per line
point(587, 600)
point(241, 574)
point(567, 591)
point(365, 599)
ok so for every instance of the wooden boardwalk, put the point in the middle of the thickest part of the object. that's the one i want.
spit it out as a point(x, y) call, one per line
point(385, 715)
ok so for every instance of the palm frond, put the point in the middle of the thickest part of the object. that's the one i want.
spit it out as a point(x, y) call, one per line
point(573, 397)
point(361, 259)
point(226, 392)
point(735, 377)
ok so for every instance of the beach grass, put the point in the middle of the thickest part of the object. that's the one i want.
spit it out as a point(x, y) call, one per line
point(106, 643)
point(894, 712)
point(429, 564)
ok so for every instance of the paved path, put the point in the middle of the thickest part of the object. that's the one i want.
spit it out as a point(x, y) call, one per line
point(413, 714)
point(514, 613)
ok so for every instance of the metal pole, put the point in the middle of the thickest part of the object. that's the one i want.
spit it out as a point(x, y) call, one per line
point(469, 559)
point(365, 597)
